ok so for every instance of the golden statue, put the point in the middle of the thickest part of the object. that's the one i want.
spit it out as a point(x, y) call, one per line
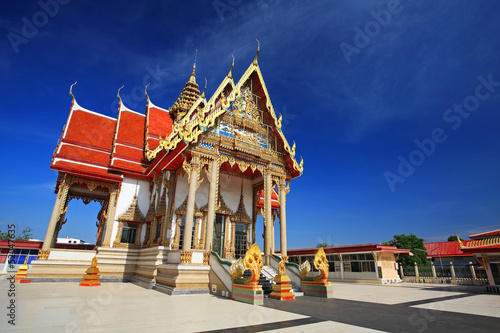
point(321, 264)
point(281, 267)
point(304, 269)
point(94, 262)
point(253, 262)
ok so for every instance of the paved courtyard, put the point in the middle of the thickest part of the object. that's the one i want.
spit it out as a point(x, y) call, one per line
point(124, 307)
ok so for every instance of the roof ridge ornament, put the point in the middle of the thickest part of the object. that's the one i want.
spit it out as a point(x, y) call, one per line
point(118, 94)
point(71, 93)
point(256, 54)
point(230, 75)
point(146, 92)
point(203, 94)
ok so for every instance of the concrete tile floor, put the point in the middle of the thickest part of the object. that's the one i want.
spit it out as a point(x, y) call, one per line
point(124, 307)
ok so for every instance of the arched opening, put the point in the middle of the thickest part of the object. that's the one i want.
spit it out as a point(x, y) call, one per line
point(83, 221)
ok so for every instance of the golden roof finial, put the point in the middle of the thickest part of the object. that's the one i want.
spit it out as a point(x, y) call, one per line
point(258, 50)
point(229, 75)
point(118, 94)
point(146, 92)
point(203, 94)
point(71, 93)
point(193, 75)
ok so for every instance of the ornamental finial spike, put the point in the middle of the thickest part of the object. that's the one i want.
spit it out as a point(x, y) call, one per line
point(229, 75)
point(71, 93)
point(146, 92)
point(118, 94)
point(258, 50)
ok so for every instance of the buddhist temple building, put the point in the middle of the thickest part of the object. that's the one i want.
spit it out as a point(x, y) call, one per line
point(175, 184)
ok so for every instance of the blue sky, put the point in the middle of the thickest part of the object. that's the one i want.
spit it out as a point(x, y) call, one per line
point(358, 84)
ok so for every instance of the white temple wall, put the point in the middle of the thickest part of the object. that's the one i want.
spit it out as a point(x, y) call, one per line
point(181, 190)
point(127, 192)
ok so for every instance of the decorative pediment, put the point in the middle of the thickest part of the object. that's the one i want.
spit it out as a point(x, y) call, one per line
point(133, 213)
point(243, 111)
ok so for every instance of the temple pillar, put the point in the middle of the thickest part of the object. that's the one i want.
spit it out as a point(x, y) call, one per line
point(113, 198)
point(268, 222)
point(283, 193)
point(212, 198)
point(170, 183)
point(62, 194)
point(193, 184)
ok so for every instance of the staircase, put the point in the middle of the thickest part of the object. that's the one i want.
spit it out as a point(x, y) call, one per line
point(266, 280)
point(263, 281)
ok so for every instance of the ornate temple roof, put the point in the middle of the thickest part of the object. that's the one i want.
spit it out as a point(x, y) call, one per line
point(100, 147)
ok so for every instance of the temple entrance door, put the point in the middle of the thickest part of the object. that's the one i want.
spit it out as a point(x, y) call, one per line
point(219, 231)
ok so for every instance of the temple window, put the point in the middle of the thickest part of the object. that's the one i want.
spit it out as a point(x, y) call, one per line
point(129, 232)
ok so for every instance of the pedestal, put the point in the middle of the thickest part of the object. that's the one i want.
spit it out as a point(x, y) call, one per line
point(91, 279)
point(21, 274)
point(247, 293)
point(317, 288)
point(282, 287)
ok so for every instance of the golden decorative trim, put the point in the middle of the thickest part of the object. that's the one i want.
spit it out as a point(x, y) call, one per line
point(206, 258)
point(43, 255)
point(186, 256)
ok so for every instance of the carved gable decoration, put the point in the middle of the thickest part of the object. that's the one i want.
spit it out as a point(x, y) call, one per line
point(150, 215)
point(183, 207)
point(162, 206)
point(220, 208)
point(241, 214)
point(133, 213)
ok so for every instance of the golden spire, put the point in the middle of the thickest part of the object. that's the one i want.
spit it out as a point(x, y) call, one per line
point(187, 98)
point(192, 79)
point(258, 50)
point(71, 93)
point(229, 75)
